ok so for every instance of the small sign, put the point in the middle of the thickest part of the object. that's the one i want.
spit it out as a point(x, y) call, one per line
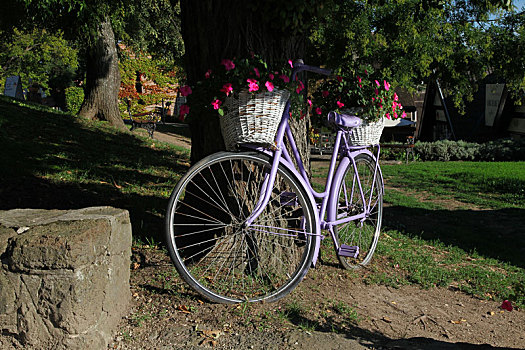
point(493, 94)
point(13, 87)
point(517, 125)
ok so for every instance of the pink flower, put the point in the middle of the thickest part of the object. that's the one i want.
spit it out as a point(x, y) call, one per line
point(252, 85)
point(207, 75)
point(339, 78)
point(377, 83)
point(184, 109)
point(340, 104)
point(185, 90)
point(396, 98)
point(271, 76)
point(284, 78)
point(318, 110)
point(290, 63)
point(216, 104)
point(325, 93)
point(386, 84)
point(359, 79)
point(387, 116)
point(228, 64)
point(506, 305)
point(256, 72)
point(309, 102)
point(269, 86)
point(404, 115)
point(395, 115)
point(300, 87)
point(227, 88)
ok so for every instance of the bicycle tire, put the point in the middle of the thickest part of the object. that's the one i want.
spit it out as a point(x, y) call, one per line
point(361, 233)
point(215, 254)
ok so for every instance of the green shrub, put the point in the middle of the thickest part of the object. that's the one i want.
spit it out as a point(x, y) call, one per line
point(445, 150)
point(74, 99)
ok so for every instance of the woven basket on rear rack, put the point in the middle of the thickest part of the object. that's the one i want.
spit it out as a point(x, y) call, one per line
point(368, 133)
point(253, 118)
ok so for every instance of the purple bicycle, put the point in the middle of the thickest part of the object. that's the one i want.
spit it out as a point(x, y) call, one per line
point(246, 226)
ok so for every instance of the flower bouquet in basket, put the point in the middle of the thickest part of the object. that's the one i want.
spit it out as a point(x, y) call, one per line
point(362, 95)
point(250, 98)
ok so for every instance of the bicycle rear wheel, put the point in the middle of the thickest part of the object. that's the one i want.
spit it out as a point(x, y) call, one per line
point(212, 249)
point(364, 233)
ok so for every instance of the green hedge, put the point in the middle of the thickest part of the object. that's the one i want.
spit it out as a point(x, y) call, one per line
point(445, 150)
point(74, 99)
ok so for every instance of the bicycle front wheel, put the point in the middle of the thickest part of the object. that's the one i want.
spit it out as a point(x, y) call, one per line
point(212, 249)
point(361, 233)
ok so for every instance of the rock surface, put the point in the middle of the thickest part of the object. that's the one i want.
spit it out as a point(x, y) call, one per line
point(64, 277)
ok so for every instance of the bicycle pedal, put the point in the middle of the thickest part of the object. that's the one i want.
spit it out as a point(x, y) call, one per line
point(348, 251)
point(289, 199)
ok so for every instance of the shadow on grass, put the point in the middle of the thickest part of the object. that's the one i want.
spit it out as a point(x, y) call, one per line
point(55, 161)
point(498, 234)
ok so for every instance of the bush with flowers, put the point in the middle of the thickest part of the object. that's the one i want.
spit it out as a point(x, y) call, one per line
point(361, 93)
point(252, 75)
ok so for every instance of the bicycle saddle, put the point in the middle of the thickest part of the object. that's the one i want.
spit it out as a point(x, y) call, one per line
point(344, 120)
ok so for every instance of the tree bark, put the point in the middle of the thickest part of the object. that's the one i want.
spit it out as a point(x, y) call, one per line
point(103, 78)
point(217, 29)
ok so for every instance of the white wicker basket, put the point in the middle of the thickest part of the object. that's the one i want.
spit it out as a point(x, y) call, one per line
point(368, 133)
point(253, 118)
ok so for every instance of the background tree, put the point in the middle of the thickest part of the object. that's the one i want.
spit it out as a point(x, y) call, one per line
point(154, 26)
point(92, 23)
point(413, 41)
point(508, 45)
point(38, 57)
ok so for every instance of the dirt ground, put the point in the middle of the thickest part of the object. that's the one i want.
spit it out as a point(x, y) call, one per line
point(166, 314)
point(330, 309)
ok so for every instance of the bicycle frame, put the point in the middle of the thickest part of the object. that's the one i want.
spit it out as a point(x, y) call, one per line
point(328, 205)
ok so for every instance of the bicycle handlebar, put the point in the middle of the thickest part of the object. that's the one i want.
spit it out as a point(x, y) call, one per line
point(299, 66)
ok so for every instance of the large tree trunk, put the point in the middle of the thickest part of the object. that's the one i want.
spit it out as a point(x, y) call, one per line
point(217, 29)
point(103, 78)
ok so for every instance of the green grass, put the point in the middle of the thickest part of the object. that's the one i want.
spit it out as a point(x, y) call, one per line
point(455, 225)
point(53, 160)
point(411, 260)
point(475, 247)
point(493, 185)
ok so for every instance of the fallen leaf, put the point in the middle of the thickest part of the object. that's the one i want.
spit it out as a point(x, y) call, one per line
point(22, 229)
point(136, 265)
point(506, 305)
point(183, 308)
point(393, 302)
point(492, 313)
point(387, 320)
point(215, 334)
point(458, 321)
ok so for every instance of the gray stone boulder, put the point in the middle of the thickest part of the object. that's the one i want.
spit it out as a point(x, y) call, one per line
point(64, 277)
